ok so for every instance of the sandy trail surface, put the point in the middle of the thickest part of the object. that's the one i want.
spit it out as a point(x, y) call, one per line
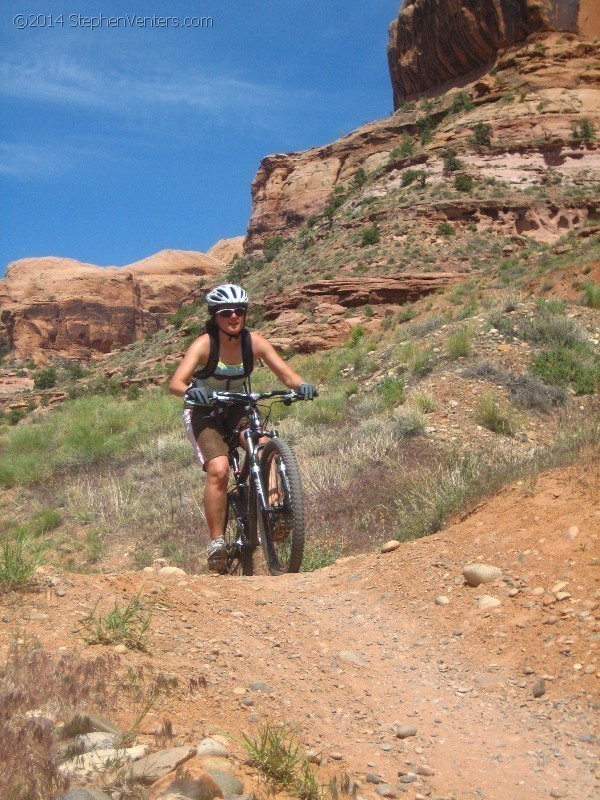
point(351, 654)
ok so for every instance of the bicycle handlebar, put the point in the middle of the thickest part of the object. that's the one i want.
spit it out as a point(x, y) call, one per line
point(251, 398)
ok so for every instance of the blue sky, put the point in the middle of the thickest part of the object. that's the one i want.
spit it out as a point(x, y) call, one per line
point(117, 142)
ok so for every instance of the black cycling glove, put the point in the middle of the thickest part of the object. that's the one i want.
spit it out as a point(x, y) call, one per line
point(200, 397)
point(308, 391)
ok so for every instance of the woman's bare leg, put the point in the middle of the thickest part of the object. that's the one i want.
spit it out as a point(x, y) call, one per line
point(215, 495)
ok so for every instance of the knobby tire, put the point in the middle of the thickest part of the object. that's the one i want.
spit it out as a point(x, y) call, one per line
point(283, 535)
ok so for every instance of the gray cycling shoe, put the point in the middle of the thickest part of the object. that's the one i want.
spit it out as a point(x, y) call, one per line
point(217, 554)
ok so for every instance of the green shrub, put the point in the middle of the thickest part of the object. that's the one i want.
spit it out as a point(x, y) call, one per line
point(19, 559)
point(445, 229)
point(15, 415)
point(369, 236)
point(94, 544)
point(482, 135)
point(583, 131)
point(45, 378)
point(494, 416)
point(424, 402)
point(356, 335)
point(425, 126)
point(405, 148)
point(45, 521)
point(452, 163)
point(411, 175)
point(591, 294)
point(564, 367)
point(392, 391)
point(360, 178)
point(126, 625)
point(410, 422)
point(464, 183)
point(321, 552)
point(459, 343)
point(240, 267)
point(133, 392)
point(552, 306)
point(462, 102)
point(183, 312)
point(271, 246)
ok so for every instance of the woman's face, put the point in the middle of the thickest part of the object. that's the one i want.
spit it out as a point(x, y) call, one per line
point(231, 323)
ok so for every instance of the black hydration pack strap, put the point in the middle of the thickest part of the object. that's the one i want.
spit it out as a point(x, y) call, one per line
point(213, 358)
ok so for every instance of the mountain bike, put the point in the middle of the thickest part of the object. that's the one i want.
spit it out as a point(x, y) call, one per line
point(265, 502)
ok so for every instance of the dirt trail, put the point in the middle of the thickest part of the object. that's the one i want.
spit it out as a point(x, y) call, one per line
point(351, 653)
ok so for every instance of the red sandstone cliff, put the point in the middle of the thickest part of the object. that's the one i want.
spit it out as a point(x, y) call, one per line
point(63, 307)
point(436, 44)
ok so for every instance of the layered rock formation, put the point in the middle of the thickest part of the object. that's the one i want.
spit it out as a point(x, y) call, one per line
point(58, 306)
point(436, 44)
point(558, 78)
point(335, 307)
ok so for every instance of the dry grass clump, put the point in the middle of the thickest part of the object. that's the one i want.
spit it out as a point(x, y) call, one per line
point(523, 390)
point(36, 690)
point(459, 343)
point(495, 416)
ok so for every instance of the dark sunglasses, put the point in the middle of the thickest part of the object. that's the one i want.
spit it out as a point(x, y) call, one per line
point(226, 313)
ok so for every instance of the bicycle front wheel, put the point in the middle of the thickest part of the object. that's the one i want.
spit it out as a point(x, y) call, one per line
point(283, 522)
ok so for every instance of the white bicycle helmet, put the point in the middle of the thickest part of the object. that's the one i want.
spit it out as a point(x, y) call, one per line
point(228, 294)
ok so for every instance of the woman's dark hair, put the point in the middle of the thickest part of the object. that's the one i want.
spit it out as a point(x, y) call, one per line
point(211, 325)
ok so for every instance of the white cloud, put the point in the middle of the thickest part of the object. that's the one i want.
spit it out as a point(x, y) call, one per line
point(23, 160)
point(66, 82)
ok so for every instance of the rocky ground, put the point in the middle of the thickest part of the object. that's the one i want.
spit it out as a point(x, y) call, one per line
point(391, 667)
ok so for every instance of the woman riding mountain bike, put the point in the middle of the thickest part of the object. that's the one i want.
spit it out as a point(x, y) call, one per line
point(222, 360)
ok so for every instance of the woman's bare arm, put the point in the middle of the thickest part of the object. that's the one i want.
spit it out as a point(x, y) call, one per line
point(263, 349)
point(197, 353)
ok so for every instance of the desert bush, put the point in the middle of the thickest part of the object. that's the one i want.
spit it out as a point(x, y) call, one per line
point(523, 390)
point(425, 127)
point(391, 391)
point(271, 246)
point(583, 130)
point(508, 300)
point(459, 343)
point(445, 229)
point(561, 366)
point(320, 552)
point(45, 378)
point(359, 179)
point(424, 402)
point(462, 102)
point(452, 163)
point(369, 236)
point(411, 175)
point(555, 330)
point(404, 150)
point(181, 315)
point(494, 416)
point(417, 329)
point(464, 183)
point(409, 422)
point(591, 295)
point(482, 135)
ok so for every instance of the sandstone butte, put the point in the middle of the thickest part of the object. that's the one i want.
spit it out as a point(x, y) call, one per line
point(440, 45)
point(62, 307)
